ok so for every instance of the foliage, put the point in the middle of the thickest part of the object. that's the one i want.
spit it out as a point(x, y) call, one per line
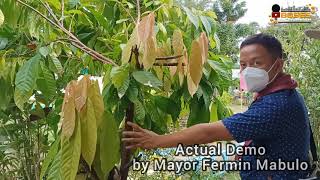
point(302, 61)
point(229, 10)
point(145, 66)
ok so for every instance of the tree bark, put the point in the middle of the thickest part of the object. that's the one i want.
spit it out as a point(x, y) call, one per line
point(126, 154)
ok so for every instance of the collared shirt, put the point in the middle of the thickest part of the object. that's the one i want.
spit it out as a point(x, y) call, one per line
point(278, 122)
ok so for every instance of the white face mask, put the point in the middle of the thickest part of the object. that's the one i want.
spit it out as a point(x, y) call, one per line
point(256, 79)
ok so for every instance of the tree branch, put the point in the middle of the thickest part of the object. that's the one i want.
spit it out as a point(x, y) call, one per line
point(167, 64)
point(169, 57)
point(62, 12)
point(73, 38)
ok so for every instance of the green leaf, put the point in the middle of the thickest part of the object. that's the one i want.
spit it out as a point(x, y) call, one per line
point(119, 75)
point(56, 65)
point(3, 43)
point(168, 106)
point(46, 82)
point(55, 172)
point(147, 79)
point(139, 112)
point(207, 92)
point(70, 153)
point(193, 18)
point(55, 3)
point(206, 24)
point(109, 143)
point(217, 40)
point(162, 28)
point(73, 3)
point(120, 79)
point(27, 74)
point(88, 133)
point(110, 96)
point(50, 156)
point(122, 90)
point(122, 20)
point(158, 118)
point(44, 51)
point(6, 94)
point(198, 112)
point(133, 92)
point(213, 112)
point(26, 80)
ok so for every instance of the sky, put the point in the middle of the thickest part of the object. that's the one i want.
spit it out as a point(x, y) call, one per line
point(259, 10)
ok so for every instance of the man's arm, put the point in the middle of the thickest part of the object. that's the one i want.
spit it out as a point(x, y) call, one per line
point(197, 134)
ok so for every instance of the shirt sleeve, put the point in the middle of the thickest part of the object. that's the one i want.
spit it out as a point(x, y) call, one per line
point(260, 121)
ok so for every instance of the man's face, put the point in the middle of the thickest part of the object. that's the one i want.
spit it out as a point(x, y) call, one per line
point(255, 55)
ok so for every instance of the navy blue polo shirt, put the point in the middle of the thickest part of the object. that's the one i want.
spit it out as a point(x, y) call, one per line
point(279, 123)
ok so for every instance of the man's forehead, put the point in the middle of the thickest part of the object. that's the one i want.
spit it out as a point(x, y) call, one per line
point(253, 48)
point(252, 52)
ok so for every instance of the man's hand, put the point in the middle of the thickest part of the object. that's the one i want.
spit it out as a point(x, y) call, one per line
point(139, 138)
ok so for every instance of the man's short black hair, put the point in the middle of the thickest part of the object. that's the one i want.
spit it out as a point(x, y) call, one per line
point(269, 42)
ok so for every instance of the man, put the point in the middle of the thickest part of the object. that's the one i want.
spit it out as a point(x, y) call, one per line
point(277, 120)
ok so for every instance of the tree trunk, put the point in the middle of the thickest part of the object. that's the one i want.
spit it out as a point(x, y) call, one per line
point(126, 154)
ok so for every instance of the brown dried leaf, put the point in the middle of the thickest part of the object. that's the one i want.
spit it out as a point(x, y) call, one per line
point(203, 40)
point(146, 27)
point(81, 92)
point(195, 66)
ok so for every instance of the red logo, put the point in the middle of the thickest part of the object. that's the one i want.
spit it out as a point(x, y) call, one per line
point(275, 11)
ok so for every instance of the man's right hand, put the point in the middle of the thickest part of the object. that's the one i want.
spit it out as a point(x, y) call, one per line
point(140, 138)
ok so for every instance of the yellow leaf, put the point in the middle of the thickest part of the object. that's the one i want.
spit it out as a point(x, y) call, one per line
point(177, 42)
point(149, 54)
point(173, 70)
point(192, 88)
point(126, 52)
point(162, 51)
point(68, 111)
point(21, 97)
point(1, 18)
point(195, 66)
point(159, 72)
point(97, 99)
point(70, 154)
point(81, 92)
point(88, 132)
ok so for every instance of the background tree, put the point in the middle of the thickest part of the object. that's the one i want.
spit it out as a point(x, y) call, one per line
point(302, 61)
point(229, 10)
